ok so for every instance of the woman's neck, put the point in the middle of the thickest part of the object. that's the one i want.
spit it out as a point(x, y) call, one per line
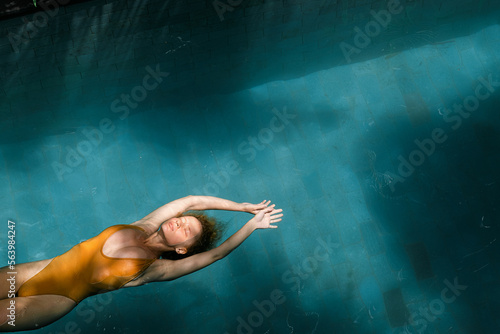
point(156, 244)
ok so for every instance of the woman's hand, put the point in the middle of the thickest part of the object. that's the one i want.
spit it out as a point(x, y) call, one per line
point(267, 216)
point(254, 208)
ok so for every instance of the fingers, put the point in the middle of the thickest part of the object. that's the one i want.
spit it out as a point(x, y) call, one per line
point(276, 216)
point(273, 214)
point(258, 207)
point(269, 208)
point(273, 221)
point(264, 204)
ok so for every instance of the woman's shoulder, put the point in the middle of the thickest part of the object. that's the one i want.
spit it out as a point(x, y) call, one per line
point(144, 225)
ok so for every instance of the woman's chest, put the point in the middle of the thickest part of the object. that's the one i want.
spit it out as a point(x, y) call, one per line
point(127, 243)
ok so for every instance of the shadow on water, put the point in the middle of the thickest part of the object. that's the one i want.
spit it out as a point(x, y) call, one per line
point(450, 202)
point(72, 83)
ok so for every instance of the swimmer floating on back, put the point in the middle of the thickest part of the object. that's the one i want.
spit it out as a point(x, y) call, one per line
point(126, 256)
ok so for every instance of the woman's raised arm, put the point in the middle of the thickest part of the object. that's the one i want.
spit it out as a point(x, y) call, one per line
point(216, 203)
point(169, 270)
point(152, 221)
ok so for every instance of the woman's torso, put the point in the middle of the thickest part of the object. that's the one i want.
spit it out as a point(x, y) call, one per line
point(128, 243)
point(116, 253)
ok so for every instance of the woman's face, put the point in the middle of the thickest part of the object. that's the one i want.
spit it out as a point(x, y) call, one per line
point(181, 231)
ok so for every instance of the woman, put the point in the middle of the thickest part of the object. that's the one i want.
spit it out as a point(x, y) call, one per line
point(125, 256)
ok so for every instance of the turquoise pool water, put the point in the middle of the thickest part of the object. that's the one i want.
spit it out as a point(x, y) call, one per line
point(382, 148)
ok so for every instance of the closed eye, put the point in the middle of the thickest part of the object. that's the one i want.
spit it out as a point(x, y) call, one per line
point(187, 229)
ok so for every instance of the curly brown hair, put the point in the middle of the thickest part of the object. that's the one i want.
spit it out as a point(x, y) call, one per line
point(211, 233)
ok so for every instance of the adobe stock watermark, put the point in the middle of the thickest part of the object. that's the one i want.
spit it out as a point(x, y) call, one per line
point(248, 148)
point(380, 21)
point(425, 315)
point(295, 275)
point(40, 20)
point(11, 267)
point(94, 135)
point(221, 7)
point(427, 146)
